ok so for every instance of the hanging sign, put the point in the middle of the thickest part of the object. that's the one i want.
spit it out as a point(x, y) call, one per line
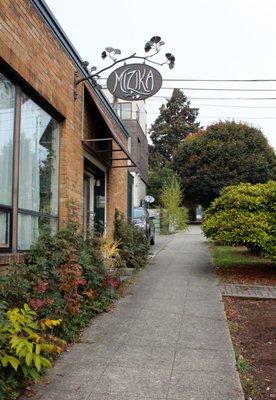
point(134, 82)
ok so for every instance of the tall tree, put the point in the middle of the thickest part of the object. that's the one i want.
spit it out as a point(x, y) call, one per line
point(175, 122)
point(224, 154)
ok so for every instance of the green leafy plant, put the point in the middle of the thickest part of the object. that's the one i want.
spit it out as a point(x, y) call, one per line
point(133, 244)
point(174, 216)
point(244, 215)
point(241, 364)
point(24, 345)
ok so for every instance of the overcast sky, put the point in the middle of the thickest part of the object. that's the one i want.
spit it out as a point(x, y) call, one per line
point(214, 39)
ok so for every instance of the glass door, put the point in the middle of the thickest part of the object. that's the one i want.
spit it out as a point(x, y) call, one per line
point(88, 204)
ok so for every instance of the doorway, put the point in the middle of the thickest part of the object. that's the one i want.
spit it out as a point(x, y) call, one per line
point(93, 198)
point(88, 203)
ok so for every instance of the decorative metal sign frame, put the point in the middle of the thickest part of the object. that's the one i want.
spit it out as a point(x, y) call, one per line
point(134, 81)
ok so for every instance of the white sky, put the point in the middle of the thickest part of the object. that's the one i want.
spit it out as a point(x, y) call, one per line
point(211, 39)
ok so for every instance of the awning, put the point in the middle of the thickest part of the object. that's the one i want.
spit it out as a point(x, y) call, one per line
point(113, 128)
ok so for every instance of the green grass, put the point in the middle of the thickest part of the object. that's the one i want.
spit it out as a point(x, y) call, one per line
point(242, 365)
point(227, 256)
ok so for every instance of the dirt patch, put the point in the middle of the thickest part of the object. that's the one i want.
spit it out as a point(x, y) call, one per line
point(252, 324)
point(248, 274)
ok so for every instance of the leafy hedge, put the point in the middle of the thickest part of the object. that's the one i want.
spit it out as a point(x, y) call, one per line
point(244, 214)
point(65, 281)
point(133, 244)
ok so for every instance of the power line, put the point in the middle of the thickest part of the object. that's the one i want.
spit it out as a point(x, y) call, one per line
point(215, 89)
point(218, 80)
point(213, 80)
point(222, 117)
point(231, 106)
point(218, 98)
point(215, 116)
point(220, 89)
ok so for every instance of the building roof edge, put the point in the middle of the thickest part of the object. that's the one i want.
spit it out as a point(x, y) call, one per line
point(63, 39)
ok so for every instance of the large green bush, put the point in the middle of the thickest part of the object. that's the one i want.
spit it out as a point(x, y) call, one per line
point(244, 214)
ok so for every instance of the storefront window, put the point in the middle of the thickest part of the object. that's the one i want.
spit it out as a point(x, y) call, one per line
point(7, 107)
point(37, 162)
point(38, 170)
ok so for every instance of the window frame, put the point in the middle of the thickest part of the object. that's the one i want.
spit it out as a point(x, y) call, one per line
point(7, 210)
point(14, 210)
point(120, 109)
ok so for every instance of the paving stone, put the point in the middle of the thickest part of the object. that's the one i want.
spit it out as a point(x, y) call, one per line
point(203, 360)
point(80, 376)
point(204, 333)
point(88, 352)
point(172, 305)
point(202, 308)
point(248, 291)
point(153, 337)
point(148, 382)
point(202, 293)
point(64, 395)
point(143, 357)
point(133, 396)
point(204, 385)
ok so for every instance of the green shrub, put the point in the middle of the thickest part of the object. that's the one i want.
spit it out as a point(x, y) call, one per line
point(244, 214)
point(23, 343)
point(64, 278)
point(173, 215)
point(133, 244)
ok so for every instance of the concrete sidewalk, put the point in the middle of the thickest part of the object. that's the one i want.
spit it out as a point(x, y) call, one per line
point(167, 340)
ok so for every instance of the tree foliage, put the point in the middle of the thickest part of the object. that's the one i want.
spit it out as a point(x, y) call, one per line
point(244, 214)
point(158, 176)
point(224, 154)
point(175, 122)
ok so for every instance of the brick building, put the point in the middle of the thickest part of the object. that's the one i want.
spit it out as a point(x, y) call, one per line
point(58, 143)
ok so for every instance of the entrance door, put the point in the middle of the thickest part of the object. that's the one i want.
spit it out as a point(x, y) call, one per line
point(88, 204)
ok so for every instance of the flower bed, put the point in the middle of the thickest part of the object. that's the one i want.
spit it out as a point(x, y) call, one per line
point(65, 279)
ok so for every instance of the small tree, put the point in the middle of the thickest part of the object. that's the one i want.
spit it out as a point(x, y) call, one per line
point(244, 214)
point(157, 178)
point(175, 216)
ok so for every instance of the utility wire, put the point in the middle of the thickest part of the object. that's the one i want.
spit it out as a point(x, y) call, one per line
point(231, 106)
point(220, 89)
point(217, 98)
point(215, 89)
point(218, 80)
point(214, 80)
point(214, 116)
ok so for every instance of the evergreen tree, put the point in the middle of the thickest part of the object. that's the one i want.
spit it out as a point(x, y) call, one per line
point(175, 122)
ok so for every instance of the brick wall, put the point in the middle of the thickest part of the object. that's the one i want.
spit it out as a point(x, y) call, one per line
point(116, 189)
point(29, 47)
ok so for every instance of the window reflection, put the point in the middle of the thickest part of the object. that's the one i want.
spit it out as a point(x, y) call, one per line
point(38, 169)
point(7, 106)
